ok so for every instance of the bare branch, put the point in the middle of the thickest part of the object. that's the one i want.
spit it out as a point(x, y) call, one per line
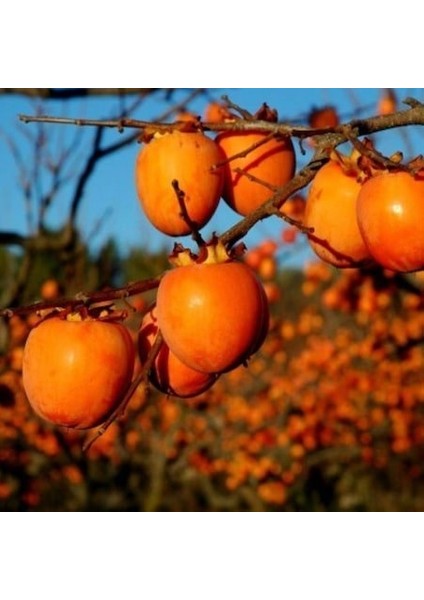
point(247, 151)
point(243, 112)
point(335, 135)
point(70, 93)
point(24, 178)
point(96, 153)
point(86, 299)
point(272, 205)
point(195, 233)
point(10, 238)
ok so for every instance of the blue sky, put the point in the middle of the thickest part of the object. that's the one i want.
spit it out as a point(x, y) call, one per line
point(110, 196)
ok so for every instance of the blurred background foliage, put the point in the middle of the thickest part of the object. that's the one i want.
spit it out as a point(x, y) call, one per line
point(327, 416)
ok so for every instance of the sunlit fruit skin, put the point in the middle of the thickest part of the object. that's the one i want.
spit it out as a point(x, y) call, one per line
point(169, 375)
point(188, 158)
point(211, 315)
point(76, 372)
point(390, 212)
point(273, 162)
point(331, 212)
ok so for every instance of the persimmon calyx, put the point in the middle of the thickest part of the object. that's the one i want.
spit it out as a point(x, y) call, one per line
point(366, 161)
point(214, 252)
point(266, 113)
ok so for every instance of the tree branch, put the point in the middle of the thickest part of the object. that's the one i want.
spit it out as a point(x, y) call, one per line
point(10, 238)
point(96, 153)
point(272, 205)
point(335, 135)
point(80, 300)
point(71, 93)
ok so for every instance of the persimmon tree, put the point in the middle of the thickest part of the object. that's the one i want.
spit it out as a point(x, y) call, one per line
point(249, 444)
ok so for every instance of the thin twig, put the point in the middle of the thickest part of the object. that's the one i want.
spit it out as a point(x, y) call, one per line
point(86, 299)
point(274, 203)
point(126, 123)
point(245, 152)
point(295, 223)
point(253, 179)
point(245, 114)
point(195, 233)
point(369, 151)
point(335, 135)
point(70, 93)
point(141, 378)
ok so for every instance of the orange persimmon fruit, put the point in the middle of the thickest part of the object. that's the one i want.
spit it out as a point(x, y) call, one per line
point(212, 314)
point(390, 213)
point(189, 159)
point(325, 116)
point(271, 163)
point(75, 372)
point(387, 102)
point(217, 112)
point(331, 214)
point(169, 375)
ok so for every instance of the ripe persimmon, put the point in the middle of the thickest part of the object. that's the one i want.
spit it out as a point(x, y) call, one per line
point(294, 207)
point(187, 117)
point(331, 213)
point(212, 313)
point(169, 375)
point(216, 112)
point(189, 159)
point(272, 164)
point(289, 234)
point(50, 289)
point(387, 103)
point(325, 116)
point(75, 372)
point(390, 211)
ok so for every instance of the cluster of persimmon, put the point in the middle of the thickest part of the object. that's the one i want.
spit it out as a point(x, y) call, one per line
point(328, 378)
point(242, 166)
point(314, 387)
point(360, 213)
point(211, 309)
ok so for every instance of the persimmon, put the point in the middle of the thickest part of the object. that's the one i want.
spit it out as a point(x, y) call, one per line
point(272, 292)
point(187, 158)
point(289, 234)
point(326, 116)
point(212, 313)
point(169, 375)
point(294, 207)
point(75, 372)
point(390, 212)
point(50, 289)
point(267, 268)
point(216, 112)
point(268, 248)
point(253, 258)
point(387, 103)
point(331, 213)
point(187, 117)
point(272, 164)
